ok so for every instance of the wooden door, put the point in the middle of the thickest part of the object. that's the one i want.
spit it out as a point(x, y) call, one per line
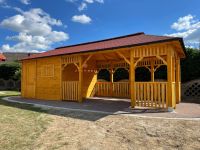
point(30, 71)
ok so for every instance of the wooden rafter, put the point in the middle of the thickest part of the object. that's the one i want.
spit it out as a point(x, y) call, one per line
point(159, 57)
point(158, 66)
point(148, 68)
point(87, 59)
point(138, 61)
point(77, 66)
point(105, 57)
point(121, 55)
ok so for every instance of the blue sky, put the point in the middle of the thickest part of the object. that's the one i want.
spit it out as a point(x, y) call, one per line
point(40, 25)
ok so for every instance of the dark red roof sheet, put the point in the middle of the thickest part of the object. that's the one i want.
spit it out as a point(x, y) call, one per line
point(123, 41)
point(2, 57)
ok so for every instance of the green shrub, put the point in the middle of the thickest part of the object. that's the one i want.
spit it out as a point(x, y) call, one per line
point(11, 70)
point(190, 66)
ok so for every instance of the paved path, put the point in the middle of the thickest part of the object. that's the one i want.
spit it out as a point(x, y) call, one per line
point(115, 106)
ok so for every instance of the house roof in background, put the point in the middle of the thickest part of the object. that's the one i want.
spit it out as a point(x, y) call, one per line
point(2, 57)
point(15, 56)
point(118, 42)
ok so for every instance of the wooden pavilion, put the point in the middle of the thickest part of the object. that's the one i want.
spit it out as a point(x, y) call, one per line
point(70, 73)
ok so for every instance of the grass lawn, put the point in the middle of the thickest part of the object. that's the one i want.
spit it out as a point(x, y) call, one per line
point(25, 127)
point(20, 125)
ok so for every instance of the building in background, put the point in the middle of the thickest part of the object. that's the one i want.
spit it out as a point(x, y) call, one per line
point(13, 56)
point(2, 58)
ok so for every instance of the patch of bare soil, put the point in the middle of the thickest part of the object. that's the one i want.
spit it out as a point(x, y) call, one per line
point(85, 131)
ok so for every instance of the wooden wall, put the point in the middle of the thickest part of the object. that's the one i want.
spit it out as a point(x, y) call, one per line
point(41, 78)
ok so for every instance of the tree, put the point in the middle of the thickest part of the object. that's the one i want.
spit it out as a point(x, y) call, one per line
point(190, 66)
point(10, 70)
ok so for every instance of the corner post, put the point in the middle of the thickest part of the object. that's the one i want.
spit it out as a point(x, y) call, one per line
point(178, 81)
point(132, 79)
point(170, 92)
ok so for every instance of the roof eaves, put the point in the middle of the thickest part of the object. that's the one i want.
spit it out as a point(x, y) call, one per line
point(126, 46)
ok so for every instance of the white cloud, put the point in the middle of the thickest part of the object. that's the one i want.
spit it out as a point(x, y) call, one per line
point(187, 27)
point(26, 2)
point(2, 1)
point(71, 1)
point(92, 1)
point(81, 19)
point(89, 1)
point(34, 28)
point(100, 1)
point(82, 6)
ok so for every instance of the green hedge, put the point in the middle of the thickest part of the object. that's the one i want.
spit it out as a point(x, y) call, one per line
point(190, 66)
point(11, 70)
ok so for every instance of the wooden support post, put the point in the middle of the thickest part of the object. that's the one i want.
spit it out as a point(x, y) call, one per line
point(61, 79)
point(111, 81)
point(173, 69)
point(170, 92)
point(152, 71)
point(178, 81)
point(132, 79)
point(80, 69)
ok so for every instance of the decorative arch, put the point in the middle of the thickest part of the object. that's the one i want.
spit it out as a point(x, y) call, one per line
point(70, 82)
point(104, 74)
point(120, 74)
point(70, 72)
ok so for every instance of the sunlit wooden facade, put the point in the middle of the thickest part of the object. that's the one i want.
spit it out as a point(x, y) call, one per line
point(74, 77)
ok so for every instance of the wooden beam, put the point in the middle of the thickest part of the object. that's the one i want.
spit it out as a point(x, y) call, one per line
point(152, 71)
point(105, 57)
point(148, 68)
point(87, 59)
point(158, 66)
point(132, 80)
point(80, 70)
point(170, 90)
point(121, 55)
point(78, 66)
point(159, 57)
point(178, 81)
point(138, 61)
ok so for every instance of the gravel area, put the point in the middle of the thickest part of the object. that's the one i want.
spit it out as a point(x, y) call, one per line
point(90, 131)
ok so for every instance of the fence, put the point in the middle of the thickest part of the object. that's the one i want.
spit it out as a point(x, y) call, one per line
point(10, 84)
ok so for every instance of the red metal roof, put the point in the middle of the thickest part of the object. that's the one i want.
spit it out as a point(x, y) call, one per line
point(118, 42)
point(2, 57)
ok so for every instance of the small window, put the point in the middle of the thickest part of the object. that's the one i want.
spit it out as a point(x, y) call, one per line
point(47, 71)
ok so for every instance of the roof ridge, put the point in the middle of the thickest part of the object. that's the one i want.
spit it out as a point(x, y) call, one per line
point(175, 37)
point(108, 39)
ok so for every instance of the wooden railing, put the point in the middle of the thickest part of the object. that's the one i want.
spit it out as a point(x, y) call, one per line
point(115, 89)
point(151, 94)
point(103, 89)
point(70, 90)
point(121, 89)
point(147, 94)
